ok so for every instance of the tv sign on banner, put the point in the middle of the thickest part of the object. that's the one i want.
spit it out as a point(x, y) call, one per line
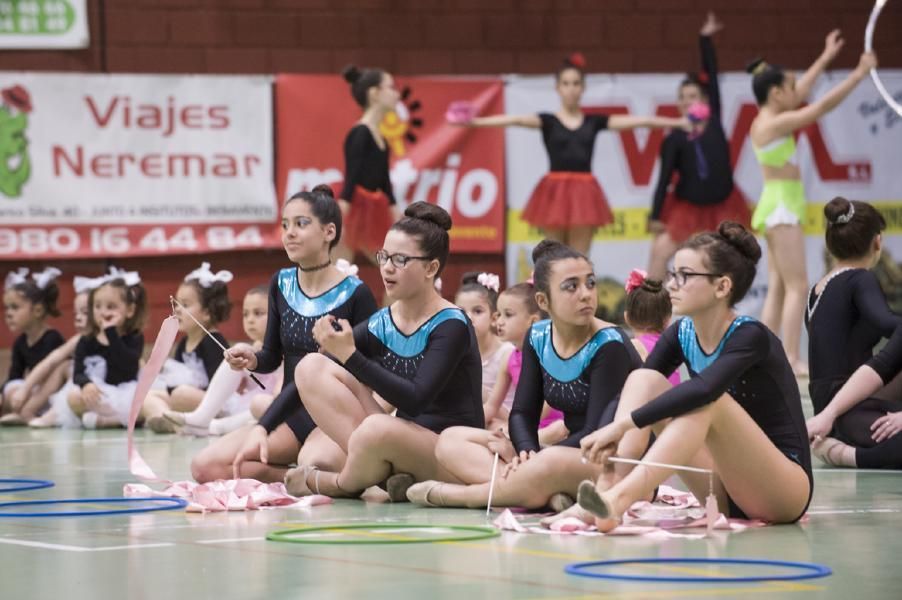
point(99, 165)
point(36, 24)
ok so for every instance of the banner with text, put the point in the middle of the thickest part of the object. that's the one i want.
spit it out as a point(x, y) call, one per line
point(853, 151)
point(460, 169)
point(106, 165)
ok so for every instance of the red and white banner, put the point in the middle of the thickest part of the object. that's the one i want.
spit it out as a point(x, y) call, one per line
point(460, 169)
point(107, 165)
point(853, 151)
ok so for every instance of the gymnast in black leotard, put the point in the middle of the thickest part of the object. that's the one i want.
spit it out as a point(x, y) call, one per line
point(847, 315)
point(298, 296)
point(739, 414)
point(420, 355)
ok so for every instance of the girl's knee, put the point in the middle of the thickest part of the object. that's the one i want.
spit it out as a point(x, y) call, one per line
point(371, 432)
point(310, 369)
point(75, 402)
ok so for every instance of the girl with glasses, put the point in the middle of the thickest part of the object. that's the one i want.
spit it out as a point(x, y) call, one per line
point(420, 355)
point(739, 414)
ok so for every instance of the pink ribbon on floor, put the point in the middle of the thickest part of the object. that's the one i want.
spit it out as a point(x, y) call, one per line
point(169, 329)
point(227, 495)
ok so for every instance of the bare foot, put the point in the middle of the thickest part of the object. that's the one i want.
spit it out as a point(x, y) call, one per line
point(600, 506)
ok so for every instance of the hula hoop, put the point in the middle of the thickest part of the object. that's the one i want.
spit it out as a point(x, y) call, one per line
point(166, 504)
point(476, 533)
point(810, 570)
point(26, 484)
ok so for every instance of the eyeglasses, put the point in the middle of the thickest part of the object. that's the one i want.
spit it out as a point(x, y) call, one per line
point(679, 278)
point(398, 260)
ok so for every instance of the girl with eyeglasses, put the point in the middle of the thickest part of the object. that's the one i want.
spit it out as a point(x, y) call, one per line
point(420, 355)
point(298, 297)
point(739, 414)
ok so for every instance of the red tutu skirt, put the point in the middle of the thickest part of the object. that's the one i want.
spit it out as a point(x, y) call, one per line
point(565, 199)
point(368, 221)
point(684, 219)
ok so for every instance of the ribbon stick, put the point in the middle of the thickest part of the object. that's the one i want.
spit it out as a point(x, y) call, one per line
point(869, 47)
point(161, 347)
point(488, 507)
point(175, 303)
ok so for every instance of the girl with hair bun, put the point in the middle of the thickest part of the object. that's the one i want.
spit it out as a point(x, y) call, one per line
point(647, 313)
point(847, 315)
point(704, 194)
point(568, 205)
point(367, 200)
point(575, 362)
point(780, 213)
point(739, 413)
point(420, 355)
point(299, 296)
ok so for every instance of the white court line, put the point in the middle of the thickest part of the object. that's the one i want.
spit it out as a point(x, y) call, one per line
point(231, 540)
point(88, 443)
point(849, 471)
point(66, 548)
point(853, 511)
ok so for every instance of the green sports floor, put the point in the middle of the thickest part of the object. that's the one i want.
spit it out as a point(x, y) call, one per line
point(854, 526)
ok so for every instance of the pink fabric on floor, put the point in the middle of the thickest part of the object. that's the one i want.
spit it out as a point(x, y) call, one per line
point(673, 510)
point(227, 495)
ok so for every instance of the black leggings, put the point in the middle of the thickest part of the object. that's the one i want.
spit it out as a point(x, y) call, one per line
point(854, 428)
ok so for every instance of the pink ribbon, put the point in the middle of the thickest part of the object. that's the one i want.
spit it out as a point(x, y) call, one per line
point(161, 347)
point(635, 280)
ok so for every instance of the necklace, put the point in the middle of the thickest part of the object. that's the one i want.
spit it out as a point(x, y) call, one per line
point(811, 308)
point(315, 268)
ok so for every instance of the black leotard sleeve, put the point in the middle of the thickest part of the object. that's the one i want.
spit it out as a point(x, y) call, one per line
point(669, 152)
point(871, 303)
point(888, 362)
point(709, 67)
point(283, 405)
point(440, 359)
point(747, 346)
point(269, 357)
point(526, 411)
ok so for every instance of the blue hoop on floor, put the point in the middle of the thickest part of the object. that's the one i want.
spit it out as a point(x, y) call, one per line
point(810, 570)
point(168, 504)
point(26, 484)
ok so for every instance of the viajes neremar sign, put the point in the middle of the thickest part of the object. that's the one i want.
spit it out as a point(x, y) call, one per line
point(29, 24)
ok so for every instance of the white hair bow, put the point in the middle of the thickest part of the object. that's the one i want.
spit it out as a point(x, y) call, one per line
point(17, 277)
point(83, 285)
point(205, 277)
point(46, 277)
point(345, 267)
point(489, 281)
point(129, 277)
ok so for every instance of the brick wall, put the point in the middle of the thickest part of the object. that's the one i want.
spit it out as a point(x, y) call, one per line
point(454, 36)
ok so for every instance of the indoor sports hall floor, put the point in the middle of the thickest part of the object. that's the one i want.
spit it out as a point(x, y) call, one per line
point(854, 526)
